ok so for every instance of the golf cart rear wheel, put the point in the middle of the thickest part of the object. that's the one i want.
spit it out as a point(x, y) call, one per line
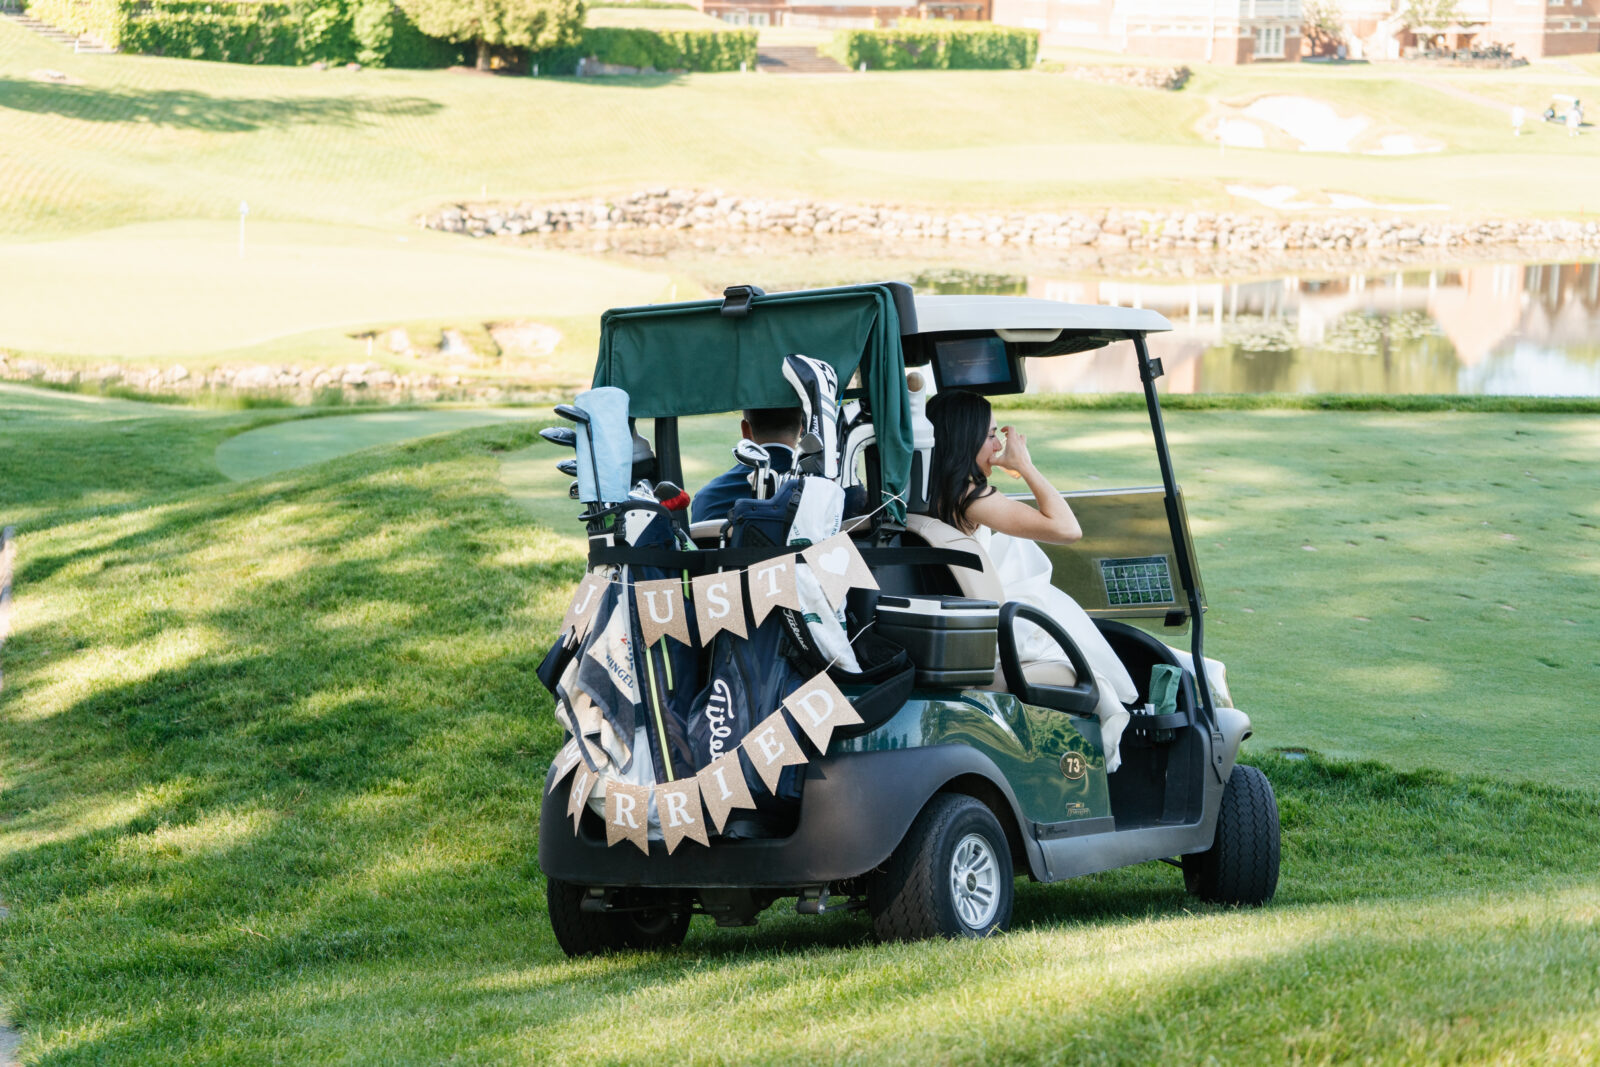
point(1241, 866)
point(586, 933)
point(950, 877)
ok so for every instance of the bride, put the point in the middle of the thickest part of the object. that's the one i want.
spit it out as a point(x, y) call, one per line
point(967, 448)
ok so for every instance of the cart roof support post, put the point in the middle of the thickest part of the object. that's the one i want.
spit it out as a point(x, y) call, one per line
point(1149, 371)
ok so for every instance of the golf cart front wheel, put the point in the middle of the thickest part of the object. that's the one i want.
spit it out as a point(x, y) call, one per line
point(950, 877)
point(1241, 866)
point(586, 933)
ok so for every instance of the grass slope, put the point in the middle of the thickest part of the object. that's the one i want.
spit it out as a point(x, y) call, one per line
point(146, 139)
point(273, 751)
point(181, 290)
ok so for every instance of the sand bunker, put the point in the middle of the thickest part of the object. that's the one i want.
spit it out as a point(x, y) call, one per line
point(1313, 126)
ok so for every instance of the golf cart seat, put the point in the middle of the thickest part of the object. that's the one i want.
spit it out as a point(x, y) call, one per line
point(985, 585)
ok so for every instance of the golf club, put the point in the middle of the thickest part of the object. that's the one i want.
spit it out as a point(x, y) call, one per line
point(749, 454)
point(560, 435)
point(569, 467)
point(581, 417)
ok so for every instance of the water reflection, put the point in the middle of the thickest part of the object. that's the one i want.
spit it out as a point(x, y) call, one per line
point(1509, 329)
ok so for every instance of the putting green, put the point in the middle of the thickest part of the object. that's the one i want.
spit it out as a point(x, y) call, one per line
point(302, 442)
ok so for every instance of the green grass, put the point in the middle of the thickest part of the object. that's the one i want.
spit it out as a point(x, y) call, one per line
point(302, 442)
point(272, 755)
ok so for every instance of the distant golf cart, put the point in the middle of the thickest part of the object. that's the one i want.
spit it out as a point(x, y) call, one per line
point(1560, 106)
point(924, 813)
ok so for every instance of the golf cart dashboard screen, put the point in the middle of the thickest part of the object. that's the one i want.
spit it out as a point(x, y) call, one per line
point(1137, 580)
point(979, 364)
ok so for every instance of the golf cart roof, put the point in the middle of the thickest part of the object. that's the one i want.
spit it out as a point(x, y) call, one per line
point(1018, 314)
point(709, 356)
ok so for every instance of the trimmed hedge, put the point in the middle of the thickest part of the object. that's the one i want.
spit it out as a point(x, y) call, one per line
point(936, 46)
point(702, 51)
point(103, 18)
point(291, 33)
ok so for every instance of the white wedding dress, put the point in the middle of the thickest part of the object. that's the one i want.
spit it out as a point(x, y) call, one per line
point(1024, 573)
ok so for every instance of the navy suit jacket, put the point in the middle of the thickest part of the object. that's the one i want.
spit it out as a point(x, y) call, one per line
point(717, 498)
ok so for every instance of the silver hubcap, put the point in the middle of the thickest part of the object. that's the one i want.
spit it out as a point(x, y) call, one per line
point(974, 882)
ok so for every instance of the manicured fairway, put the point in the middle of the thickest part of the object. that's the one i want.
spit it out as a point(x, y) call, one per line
point(273, 751)
point(181, 289)
point(286, 445)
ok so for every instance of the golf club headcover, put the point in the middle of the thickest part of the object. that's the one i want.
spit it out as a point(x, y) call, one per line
point(605, 452)
point(565, 436)
point(817, 384)
point(671, 497)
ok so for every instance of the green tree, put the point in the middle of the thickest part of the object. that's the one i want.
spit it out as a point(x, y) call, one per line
point(1322, 25)
point(499, 23)
point(1428, 18)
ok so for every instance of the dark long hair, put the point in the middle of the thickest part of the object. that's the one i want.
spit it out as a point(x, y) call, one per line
point(960, 427)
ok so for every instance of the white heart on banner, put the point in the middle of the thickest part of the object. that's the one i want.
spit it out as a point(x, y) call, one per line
point(772, 585)
point(771, 747)
point(838, 565)
point(820, 708)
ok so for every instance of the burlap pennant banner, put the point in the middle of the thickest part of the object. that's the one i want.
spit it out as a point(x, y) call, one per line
point(580, 613)
point(661, 610)
point(568, 758)
point(583, 783)
point(628, 814)
point(820, 709)
point(838, 565)
point(722, 788)
point(679, 806)
point(718, 605)
point(771, 586)
point(771, 747)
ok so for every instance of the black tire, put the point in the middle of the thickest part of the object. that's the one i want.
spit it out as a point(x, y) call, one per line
point(586, 933)
point(915, 896)
point(1241, 866)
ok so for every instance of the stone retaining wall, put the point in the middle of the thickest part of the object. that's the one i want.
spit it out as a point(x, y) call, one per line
point(1107, 230)
point(298, 384)
point(1167, 79)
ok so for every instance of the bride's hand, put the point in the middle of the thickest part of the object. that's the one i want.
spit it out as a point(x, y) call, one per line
point(1014, 458)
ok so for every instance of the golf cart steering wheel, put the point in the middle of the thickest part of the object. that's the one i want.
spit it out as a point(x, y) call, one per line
point(1080, 699)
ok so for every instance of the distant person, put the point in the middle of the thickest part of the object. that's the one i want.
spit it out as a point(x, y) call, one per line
point(1574, 119)
point(775, 429)
point(1518, 116)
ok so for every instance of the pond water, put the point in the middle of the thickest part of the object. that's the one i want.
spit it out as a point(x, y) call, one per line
point(1495, 329)
point(1521, 329)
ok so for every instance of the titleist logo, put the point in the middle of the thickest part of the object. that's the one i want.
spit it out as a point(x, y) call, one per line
point(719, 712)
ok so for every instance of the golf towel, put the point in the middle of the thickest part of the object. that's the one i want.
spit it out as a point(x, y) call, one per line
point(606, 451)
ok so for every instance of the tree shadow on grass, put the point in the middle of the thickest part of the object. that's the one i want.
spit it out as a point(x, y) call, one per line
point(186, 109)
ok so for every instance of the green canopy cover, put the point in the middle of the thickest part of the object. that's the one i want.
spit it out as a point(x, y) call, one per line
point(691, 359)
